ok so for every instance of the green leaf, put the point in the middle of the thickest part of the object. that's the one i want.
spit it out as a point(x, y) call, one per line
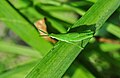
point(77, 70)
point(108, 47)
point(18, 71)
point(81, 72)
point(100, 13)
point(56, 62)
point(54, 2)
point(30, 12)
point(20, 3)
point(65, 11)
point(18, 49)
point(57, 25)
point(16, 22)
point(51, 20)
point(113, 29)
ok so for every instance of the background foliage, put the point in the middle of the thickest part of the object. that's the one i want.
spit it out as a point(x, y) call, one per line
point(21, 46)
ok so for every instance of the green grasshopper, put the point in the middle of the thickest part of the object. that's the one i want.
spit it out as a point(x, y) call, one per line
point(73, 35)
point(70, 37)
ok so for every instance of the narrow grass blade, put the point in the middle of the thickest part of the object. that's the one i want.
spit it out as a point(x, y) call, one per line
point(100, 13)
point(22, 27)
point(81, 72)
point(18, 49)
point(52, 20)
point(108, 47)
point(77, 70)
point(113, 29)
point(19, 71)
point(57, 25)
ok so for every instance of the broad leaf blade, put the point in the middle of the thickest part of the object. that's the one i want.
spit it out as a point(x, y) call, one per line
point(101, 11)
point(59, 59)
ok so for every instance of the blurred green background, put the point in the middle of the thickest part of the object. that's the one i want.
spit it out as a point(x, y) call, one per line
point(18, 55)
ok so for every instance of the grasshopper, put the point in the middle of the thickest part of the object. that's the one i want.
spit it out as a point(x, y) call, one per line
point(72, 35)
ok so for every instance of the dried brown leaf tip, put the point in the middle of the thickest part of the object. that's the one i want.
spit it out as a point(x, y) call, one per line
point(106, 40)
point(40, 25)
